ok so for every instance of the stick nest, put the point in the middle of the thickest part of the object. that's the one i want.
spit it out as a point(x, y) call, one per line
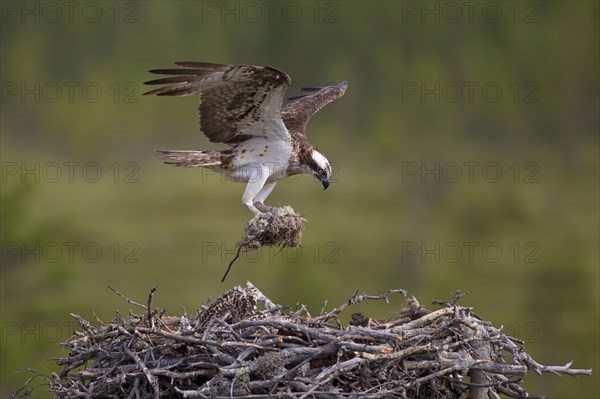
point(231, 349)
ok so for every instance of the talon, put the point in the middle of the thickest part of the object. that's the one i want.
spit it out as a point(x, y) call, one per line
point(262, 207)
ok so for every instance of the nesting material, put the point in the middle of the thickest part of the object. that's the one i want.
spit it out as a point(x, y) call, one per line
point(232, 349)
point(276, 227)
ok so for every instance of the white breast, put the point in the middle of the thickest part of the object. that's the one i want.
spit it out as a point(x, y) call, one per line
point(260, 155)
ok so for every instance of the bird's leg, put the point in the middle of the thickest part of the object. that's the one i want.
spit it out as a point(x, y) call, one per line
point(262, 196)
point(247, 198)
point(255, 185)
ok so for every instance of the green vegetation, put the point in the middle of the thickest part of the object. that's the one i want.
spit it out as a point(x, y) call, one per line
point(416, 203)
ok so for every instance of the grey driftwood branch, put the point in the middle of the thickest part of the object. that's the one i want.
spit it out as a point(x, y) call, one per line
point(231, 349)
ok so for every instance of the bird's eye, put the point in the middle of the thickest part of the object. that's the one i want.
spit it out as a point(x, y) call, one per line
point(321, 171)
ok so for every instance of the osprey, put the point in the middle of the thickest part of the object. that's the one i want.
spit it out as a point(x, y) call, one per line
point(242, 106)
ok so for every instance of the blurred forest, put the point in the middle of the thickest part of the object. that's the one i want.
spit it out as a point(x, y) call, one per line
point(465, 152)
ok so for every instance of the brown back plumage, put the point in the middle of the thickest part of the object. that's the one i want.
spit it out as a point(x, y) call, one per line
point(236, 101)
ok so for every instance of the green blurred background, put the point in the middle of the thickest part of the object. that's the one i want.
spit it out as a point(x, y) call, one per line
point(442, 97)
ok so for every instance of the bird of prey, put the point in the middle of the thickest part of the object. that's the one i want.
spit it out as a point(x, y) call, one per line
point(242, 106)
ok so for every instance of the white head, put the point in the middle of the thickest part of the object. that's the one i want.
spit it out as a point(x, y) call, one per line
point(320, 167)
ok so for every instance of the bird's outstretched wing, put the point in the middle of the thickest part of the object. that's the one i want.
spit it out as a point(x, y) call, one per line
point(298, 111)
point(237, 102)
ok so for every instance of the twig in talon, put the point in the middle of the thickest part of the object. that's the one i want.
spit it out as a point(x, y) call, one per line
point(237, 255)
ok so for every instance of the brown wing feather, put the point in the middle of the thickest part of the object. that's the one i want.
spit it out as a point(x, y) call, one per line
point(300, 109)
point(236, 101)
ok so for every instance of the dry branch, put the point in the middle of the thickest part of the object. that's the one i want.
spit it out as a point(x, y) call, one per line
point(231, 349)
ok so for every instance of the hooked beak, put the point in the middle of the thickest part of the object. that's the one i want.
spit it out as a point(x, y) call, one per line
point(324, 182)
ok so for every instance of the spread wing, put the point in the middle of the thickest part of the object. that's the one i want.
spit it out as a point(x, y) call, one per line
point(298, 111)
point(236, 101)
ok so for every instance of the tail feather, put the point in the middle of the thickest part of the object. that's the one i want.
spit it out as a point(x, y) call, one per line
point(189, 159)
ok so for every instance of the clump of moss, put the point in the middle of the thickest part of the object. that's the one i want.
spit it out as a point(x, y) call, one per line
point(276, 227)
